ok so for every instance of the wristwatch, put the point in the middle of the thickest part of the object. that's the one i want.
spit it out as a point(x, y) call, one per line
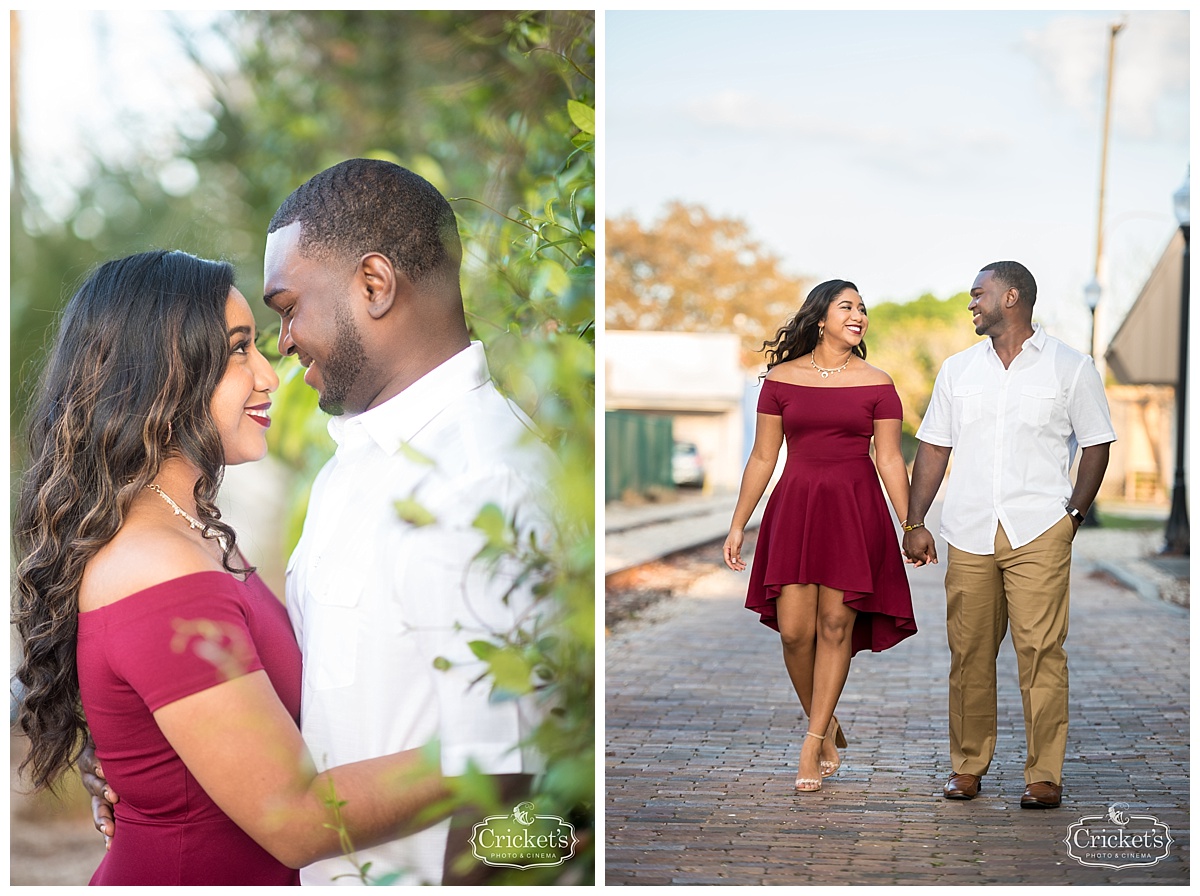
point(1074, 512)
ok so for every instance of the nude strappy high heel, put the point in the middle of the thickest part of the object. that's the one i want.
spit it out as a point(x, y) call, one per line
point(809, 785)
point(830, 766)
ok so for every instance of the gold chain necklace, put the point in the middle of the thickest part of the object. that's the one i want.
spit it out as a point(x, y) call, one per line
point(179, 511)
point(825, 371)
point(193, 523)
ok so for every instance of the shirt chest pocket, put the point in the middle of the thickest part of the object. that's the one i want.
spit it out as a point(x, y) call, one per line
point(332, 620)
point(967, 402)
point(1037, 404)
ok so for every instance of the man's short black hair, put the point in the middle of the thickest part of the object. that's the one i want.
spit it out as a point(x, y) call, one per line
point(1014, 275)
point(369, 205)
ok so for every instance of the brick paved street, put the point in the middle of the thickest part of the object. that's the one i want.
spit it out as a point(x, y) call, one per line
point(703, 733)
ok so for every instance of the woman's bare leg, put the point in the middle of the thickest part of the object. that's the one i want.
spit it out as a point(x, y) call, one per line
point(831, 666)
point(796, 611)
point(835, 624)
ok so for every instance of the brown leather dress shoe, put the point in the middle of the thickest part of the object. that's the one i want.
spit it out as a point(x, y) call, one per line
point(1041, 795)
point(962, 787)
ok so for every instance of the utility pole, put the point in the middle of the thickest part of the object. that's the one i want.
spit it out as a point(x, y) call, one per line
point(1114, 30)
point(1092, 291)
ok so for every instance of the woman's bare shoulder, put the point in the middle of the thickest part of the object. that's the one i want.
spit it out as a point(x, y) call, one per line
point(787, 371)
point(875, 376)
point(140, 556)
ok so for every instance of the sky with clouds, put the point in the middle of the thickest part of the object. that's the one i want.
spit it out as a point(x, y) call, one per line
point(904, 150)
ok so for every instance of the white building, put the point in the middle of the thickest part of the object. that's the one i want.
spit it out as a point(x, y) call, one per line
point(696, 378)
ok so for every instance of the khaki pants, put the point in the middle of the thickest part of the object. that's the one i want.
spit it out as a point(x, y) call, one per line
point(1027, 588)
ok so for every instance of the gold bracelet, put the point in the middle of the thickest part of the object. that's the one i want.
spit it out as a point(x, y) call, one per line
point(907, 528)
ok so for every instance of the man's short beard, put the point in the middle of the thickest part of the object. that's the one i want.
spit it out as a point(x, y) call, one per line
point(986, 323)
point(346, 363)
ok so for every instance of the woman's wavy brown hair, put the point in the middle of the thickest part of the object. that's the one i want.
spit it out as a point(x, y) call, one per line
point(140, 349)
point(799, 335)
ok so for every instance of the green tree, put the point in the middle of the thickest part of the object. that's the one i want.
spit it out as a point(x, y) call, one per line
point(910, 340)
point(695, 272)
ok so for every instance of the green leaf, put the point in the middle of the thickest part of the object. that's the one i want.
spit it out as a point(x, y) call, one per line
point(582, 115)
point(490, 518)
point(441, 664)
point(413, 512)
point(485, 650)
point(473, 787)
point(416, 456)
point(490, 521)
point(511, 673)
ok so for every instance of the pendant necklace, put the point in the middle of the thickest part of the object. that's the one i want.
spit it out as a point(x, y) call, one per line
point(825, 371)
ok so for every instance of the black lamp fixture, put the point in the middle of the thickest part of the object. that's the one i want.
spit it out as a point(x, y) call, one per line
point(1091, 298)
point(1178, 530)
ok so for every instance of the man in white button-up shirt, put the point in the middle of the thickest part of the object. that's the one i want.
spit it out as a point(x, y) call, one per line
point(362, 266)
point(1013, 408)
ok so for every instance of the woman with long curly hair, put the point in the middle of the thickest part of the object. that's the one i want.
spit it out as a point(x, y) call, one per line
point(141, 623)
point(828, 573)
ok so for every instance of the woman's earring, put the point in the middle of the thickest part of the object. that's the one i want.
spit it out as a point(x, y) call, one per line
point(820, 333)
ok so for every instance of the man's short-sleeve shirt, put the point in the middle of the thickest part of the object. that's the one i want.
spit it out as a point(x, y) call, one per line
point(1014, 433)
point(383, 583)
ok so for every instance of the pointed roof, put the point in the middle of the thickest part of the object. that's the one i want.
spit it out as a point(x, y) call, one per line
point(1145, 350)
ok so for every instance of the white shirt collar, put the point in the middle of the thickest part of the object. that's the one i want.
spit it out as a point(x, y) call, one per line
point(1037, 340)
point(400, 418)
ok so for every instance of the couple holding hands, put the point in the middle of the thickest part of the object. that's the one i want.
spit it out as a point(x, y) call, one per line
point(1013, 408)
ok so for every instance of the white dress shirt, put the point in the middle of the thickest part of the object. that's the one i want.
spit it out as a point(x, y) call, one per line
point(1014, 433)
point(374, 600)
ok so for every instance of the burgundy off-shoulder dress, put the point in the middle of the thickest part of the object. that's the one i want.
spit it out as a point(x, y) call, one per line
point(150, 649)
point(826, 521)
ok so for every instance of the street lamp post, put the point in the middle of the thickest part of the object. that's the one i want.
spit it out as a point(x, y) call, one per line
point(1178, 530)
point(1091, 298)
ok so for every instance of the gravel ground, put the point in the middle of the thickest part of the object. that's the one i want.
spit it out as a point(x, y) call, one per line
point(643, 595)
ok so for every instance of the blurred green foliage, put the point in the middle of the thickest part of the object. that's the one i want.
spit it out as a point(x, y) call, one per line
point(496, 109)
point(910, 340)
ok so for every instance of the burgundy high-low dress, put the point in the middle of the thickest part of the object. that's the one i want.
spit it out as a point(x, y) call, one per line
point(827, 522)
point(150, 649)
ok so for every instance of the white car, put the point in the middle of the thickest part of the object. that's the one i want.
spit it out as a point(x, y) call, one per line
point(686, 466)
